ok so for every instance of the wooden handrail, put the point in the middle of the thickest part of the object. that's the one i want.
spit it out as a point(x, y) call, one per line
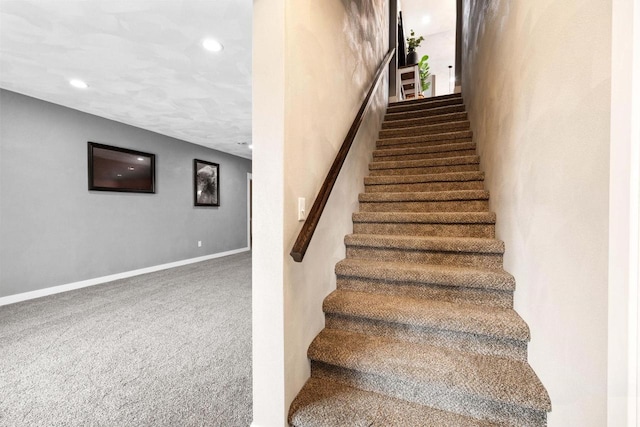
point(309, 226)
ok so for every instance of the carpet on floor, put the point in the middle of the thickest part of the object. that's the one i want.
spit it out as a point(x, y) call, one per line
point(170, 348)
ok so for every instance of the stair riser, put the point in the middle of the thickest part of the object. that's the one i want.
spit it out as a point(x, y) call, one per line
point(424, 156)
point(426, 113)
point(469, 167)
point(426, 100)
point(419, 143)
point(424, 106)
point(439, 206)
point(413, 229)
point(424, 121)
point(461, 341)
point(424, 130)
point(433, 395)
point(426, 257)
point(390, 152)
point(425, 186)
point(490, 297)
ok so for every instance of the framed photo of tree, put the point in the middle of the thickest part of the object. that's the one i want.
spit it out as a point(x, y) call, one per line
point(206, 183)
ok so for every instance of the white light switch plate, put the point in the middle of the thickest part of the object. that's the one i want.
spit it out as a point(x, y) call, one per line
point(302, 211)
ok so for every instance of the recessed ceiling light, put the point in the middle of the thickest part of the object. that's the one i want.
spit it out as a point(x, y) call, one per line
point(78, 84)
point(250, 146)
point(212, 45)
point(131, 168)
point(426, 19)
point(140, 159)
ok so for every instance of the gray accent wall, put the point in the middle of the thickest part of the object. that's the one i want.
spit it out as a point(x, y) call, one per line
point(54, 231)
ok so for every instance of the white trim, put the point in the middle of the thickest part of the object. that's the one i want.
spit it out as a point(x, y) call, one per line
point(11, 299)
point(624, 201)
point(249, 178)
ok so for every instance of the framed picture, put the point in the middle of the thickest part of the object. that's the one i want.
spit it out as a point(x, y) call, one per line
point(206, 183)
point(120, 169)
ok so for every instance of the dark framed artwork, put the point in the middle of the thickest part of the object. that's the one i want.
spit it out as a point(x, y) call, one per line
point(119, 169)
point(206, 183)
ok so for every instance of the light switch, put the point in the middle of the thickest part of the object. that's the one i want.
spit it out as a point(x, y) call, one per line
point(302, 210)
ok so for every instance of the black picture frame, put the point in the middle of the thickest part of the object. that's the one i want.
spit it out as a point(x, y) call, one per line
point(120, 169)
point(206, 183)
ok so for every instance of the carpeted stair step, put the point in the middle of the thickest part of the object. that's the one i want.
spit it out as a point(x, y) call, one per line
point(423, 121)
point(428, 152)
point(485, 387)
point(452, 224)
point(426, 182)
point(425, 140)
point(406, 115)
point(414, 101)
point(425, 130)
point(463, 327)
point(422, 105)
point(443, 201)
point(425, 166)
point(473, 285)
point(462, 251)
point(326, 403)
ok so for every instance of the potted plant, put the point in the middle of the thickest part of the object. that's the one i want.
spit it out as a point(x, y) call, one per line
point(412, 44)
point(423, 65)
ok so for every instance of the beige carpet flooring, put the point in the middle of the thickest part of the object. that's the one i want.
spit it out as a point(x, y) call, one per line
point(421, 329)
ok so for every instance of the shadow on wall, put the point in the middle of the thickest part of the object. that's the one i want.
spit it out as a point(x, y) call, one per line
point(363, 27)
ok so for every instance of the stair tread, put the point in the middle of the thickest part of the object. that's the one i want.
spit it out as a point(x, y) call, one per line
point(436, 118)
point(442, 148)
point(441, 136)
point(445, 109)
point(441, 275)
point(425, 100)
point(425, 129)
point(427, 177)
point(426, 217)
point(426, 313)
point(491, 378)
point(433, 243)
point(326, 403)
point(424, 196)
point(444, 161)
point(424, 105)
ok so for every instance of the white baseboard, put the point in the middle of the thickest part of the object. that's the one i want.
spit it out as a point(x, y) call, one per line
point(11, 299)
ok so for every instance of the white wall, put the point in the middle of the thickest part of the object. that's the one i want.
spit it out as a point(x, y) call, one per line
point(268, 193)
point(313, 63)
point(536, 80)
point(439, 31)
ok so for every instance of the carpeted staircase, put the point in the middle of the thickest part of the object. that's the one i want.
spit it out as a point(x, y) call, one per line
point(421, 330)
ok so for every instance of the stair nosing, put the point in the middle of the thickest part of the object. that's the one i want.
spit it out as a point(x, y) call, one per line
point(421, 163)
point(447, 276)
point(426, 217)
point(399, 366)
point(423, 196)
point(450, 177)
point(476, 245)
point(521, 333)
point(430, 149)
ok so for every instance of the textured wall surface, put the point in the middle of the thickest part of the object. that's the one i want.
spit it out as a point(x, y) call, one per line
point(536, 80)
point(143, 62)
point(333, 50)
point(312, 67)
point(54, 231)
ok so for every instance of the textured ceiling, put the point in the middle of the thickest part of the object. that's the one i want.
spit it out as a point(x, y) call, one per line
point(143, 62)
point(428, 17)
